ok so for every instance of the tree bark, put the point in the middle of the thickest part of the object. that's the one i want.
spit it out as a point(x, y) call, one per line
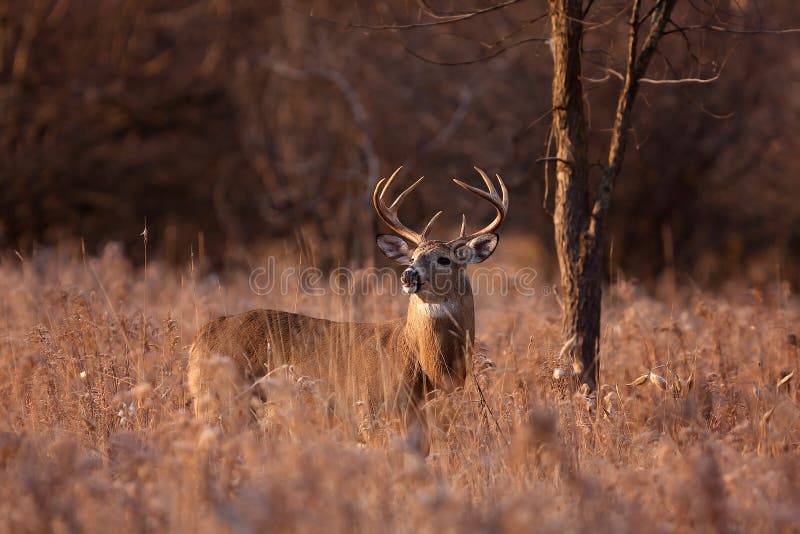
point(580, 272)
point(579, 220)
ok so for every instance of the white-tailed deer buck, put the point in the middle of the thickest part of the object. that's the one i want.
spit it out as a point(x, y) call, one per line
point(387, 365)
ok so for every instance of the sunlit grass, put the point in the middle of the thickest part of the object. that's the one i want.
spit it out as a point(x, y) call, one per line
point(97, 434)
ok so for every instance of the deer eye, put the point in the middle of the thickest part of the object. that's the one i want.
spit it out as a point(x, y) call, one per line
point(443, 261)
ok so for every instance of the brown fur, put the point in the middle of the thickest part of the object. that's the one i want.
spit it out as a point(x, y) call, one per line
point(387, 365)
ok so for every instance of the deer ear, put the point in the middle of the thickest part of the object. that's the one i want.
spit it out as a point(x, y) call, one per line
point(395, 248)
point(477, 249)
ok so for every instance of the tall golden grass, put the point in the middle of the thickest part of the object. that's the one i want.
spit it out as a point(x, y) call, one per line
point(96, 434)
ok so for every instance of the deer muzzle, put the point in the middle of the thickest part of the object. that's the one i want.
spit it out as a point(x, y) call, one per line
point(410, 281)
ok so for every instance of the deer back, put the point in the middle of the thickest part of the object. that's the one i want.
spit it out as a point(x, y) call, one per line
point(372, 362)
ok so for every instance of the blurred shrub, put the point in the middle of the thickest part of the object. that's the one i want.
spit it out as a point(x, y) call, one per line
point(247, 121)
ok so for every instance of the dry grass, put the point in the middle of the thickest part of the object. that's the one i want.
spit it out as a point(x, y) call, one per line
point(96, 435)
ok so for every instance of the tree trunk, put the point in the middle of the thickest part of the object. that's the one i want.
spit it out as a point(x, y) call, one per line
point(580, 264)
point(580, 221)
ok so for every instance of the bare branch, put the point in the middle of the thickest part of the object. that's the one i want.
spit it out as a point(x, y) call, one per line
point(680, 81)
point(681, 29)
point(652, 81)
point(686, 40)
point(438, 13)
point(648, 14)
point(538, 119)
point(588, 7)
point(590, 26)
point(519, 30)
point(553, 158)
point(636, 67)
point(412, 26)
point(614, 73)
point(547, 171)
point(659, 21)
point(476, 60)
point(604, 79)
point(713, 115)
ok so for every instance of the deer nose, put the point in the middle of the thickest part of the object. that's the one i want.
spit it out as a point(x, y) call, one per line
point(410, 281)
point(409, 275)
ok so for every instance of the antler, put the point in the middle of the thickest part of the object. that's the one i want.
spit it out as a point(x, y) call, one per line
point(389, 213)
point(500, 204)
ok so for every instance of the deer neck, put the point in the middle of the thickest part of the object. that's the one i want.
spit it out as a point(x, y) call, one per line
point(441, 332)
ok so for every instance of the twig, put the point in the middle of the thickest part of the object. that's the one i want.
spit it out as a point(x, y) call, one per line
point(553, 158)
point(412, 26)
point(488, 409)
point(681, 29)
point(476, 60)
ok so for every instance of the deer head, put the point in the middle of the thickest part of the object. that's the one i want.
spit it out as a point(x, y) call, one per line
point(435, 270)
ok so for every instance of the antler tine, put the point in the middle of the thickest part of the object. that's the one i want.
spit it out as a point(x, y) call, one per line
point(392, 177)
point(487, 181)
point(428, 226)
point(503, 190)
point(407, 191)
point(499, 203)
point(389, 213)
point(390, 181)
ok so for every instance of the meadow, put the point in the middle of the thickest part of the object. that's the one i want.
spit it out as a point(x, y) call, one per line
point(696, 425)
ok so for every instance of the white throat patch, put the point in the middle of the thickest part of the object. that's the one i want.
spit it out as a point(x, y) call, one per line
point(437, 309)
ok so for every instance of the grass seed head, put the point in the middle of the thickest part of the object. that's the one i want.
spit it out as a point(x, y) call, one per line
point(90, 426)
point(658, 381)
point(559, 374)
point(689, 383)
point(640, 380)
point(785, 380)
point(767, 416)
